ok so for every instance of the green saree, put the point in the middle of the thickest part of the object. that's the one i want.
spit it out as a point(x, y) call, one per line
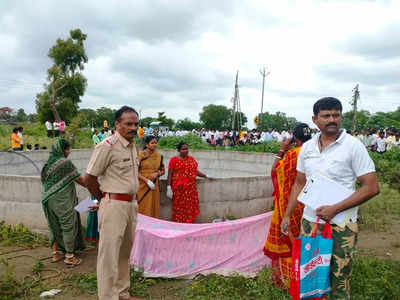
point(59, 199)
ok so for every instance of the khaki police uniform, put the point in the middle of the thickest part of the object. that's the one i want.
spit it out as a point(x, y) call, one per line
point(115, 161)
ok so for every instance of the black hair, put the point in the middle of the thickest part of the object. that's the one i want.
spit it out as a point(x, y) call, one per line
point(123, 109)
point(65, 144)
point(148, 139)
point(327, 103)
point(180, 145)
point(302, 132)
point(20, 128)
point(15, 130)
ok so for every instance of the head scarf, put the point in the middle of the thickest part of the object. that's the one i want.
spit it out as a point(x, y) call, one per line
point(58, 172)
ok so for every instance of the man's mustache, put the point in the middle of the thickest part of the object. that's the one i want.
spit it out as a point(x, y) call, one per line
point(133, 131)
point(330, 124)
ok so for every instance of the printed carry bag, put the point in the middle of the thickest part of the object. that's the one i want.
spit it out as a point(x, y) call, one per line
point(311, 259)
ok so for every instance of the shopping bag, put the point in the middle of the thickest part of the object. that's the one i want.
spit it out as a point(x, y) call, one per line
point(311, 259)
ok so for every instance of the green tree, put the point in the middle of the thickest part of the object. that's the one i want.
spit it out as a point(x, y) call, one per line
point(65, 82)
point(88, 117)
point(164, 120)
point(216, 117)
point(144, 122)
point(279, 121)
point(363, 117)
point(105, 113)
point(21, 115)
point(187, 124)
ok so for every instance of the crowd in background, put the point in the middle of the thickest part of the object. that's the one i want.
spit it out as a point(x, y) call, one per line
point(379, 141)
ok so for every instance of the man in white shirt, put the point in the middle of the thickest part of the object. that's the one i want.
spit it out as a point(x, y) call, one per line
point(343, 159)
point(381, 143)
point(56, 127)
point(49, 128)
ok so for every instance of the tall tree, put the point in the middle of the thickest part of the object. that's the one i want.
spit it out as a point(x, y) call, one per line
point(164, 120)
point(21, 115)
point(187, 124)
point(65, 82)
point(217, 117)
point(278, 121)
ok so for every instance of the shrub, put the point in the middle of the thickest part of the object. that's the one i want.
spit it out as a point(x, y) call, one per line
point(388, 167)
point(193, 141)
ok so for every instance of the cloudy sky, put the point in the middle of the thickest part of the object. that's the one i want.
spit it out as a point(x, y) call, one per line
point(178, 56)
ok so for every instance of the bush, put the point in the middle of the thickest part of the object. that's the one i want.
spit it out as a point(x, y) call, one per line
point(388, 167)
point(193, 141)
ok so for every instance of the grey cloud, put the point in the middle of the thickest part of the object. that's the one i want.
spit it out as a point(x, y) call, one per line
point(383, 44)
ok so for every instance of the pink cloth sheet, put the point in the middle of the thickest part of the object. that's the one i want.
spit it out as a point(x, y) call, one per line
point(169, 249)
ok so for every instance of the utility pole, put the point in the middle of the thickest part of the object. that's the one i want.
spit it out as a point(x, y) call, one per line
point(236, 111)
point(356, 97)
point(264, 74)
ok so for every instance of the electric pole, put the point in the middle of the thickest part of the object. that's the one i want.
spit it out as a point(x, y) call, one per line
point(356, 97)
point(264, 74)
point(236, 110)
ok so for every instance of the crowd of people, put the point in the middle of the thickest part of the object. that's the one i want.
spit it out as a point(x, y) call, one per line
point(125, 181)
point(55, 129)
point(379, 141)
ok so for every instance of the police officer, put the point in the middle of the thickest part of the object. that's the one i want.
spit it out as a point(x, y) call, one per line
point(115, 161)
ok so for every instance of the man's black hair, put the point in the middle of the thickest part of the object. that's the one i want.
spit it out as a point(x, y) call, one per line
point(327, 103)
point(123, 109)
point(180, 145)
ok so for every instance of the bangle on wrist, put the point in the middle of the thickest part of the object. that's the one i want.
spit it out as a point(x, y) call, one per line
point(278, 157)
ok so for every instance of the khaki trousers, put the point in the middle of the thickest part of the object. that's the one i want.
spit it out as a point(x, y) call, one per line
point(117, 223)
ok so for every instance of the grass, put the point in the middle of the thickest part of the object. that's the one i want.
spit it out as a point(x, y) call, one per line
point(19, 236)
point(372, 278)
point(378, 213)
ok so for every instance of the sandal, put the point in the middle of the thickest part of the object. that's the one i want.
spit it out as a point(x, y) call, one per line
point(57, 256)
point(73, 261)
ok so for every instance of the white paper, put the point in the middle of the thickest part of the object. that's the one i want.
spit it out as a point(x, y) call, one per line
point(321, 190)
point(83, 206)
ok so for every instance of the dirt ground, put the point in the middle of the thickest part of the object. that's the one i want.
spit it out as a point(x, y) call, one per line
point(383, 245)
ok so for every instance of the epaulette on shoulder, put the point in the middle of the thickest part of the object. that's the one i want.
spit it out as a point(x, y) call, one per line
point(110, 141)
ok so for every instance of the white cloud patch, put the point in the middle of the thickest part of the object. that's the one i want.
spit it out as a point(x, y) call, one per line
point(178, 56)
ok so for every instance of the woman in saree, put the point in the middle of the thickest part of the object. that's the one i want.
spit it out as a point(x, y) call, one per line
point(151, 168)
point(182, 187)
point(59, 198)
point(283, 174)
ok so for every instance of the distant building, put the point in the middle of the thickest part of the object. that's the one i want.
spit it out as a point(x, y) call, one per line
point(5, 111)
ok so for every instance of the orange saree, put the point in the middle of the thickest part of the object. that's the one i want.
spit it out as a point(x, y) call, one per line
point(150, 205)
point(277, 247)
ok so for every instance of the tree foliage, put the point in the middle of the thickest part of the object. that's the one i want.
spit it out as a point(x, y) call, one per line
point(366, 120)
point(65, 83)
point(164, 120)
point(187, 124)
point(279, 121)
point(218, 117)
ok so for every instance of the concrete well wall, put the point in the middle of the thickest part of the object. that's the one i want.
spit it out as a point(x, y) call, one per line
point(239, 187)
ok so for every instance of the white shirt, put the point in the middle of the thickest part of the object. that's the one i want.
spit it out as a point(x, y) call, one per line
point(56, 126)
point(48, 125)
point(342, 161)
point(381, 144)
point(22, 139)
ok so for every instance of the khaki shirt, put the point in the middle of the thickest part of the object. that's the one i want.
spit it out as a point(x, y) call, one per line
point(115, 161)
